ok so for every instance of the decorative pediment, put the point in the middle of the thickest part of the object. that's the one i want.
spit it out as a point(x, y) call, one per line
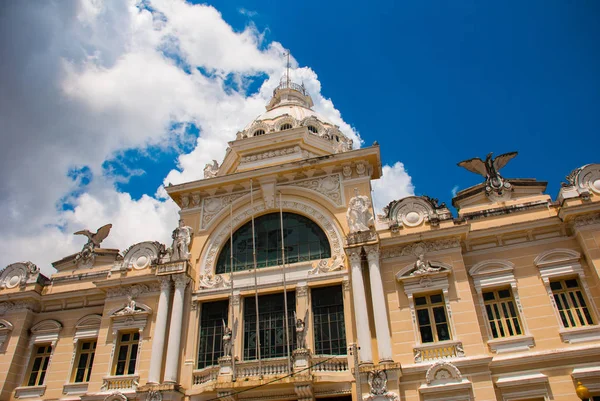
point(5, 329)
point(422, 268)
point(131, 308)
point(143, 255)
point(133, 315)
point(442, 373)
point(492, 267)
point(585, 179)
point(89, 322)
point(45, 331)
point(46, 326)
point(116, 396)
point(18, 274)
point(560, 256)
point(414, 211)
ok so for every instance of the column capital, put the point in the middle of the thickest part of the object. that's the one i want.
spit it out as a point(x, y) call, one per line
point(372, 252)
point(181, 281)
point(165, 282)
point(354, 255)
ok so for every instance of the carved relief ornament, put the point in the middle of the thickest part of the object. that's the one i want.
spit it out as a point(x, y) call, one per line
point(18, 274)
point(419, 248)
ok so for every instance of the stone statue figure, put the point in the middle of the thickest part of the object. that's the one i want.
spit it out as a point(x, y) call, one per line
point(211, 170)
point(490, 169)
point(182, 237)
point(423, 266)
point(96, 238)
point(359, 215)
point(301, 331)
point(86, 256)
point(129, 308)
point(227, 340)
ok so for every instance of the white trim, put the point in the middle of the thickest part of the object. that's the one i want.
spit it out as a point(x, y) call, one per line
point(5, 331)
point(589, 376)
point(494, 274)
point(580, 334)
point(561, 263)
point(520, 386)
point(43, 332)
point(30, 391)
point(511, 344)
point(75, 388)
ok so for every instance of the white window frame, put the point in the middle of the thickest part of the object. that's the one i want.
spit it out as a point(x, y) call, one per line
point(44, 332)
point(121, 321)
point(562, 264)
point(86, 328)
point(425, 284)
point(6, 328)
point(493, 275)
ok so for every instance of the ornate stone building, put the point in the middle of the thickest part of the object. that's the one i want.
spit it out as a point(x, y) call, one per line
point(281, 284)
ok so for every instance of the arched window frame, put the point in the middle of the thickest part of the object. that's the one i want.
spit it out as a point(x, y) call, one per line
point(257, 222)
point(563, 264)
point(496, 274)
point(306, 207)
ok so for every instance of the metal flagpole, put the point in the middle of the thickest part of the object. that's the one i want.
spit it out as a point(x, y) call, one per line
point(285, 304)
point(255, 283)
point(232, 323)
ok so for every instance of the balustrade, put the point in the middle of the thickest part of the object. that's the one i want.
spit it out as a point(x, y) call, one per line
point(336, 364)
point(205, 375)
point(275, 366)
point(436, 351)
point(120, 383)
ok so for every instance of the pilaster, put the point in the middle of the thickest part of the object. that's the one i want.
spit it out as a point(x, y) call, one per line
point(361, 316)
point(172, 362)
point(384, 342)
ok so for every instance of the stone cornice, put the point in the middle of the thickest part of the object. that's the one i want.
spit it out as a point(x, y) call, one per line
point(416, 248)
point(458, 231)
point(233, 178)
point(547, 357)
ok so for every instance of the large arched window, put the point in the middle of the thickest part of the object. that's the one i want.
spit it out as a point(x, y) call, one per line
point(304, 240)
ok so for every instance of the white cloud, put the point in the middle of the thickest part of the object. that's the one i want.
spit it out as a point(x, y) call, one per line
point(247, 13)
point(454, 190)
point(395, 183)
point(85, 81)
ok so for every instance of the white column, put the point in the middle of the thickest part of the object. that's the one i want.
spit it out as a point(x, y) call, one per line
point(361, 316)
point(173, 350)
point(160, 331)
point(384, 342)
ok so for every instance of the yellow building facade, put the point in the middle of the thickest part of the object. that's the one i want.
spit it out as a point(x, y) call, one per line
point(281, 283)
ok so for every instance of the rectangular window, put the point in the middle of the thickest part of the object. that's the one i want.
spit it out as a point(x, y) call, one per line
point(501, 313)
point(328, 317)
point(272, 325)
point(431, 315)
point(84, 361)
point(127, 350)
point(571, 303)
point(41, 358)
point(210, 348)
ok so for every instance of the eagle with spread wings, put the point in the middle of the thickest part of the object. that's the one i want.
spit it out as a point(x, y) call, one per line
point(490, 167)
point(97, 237)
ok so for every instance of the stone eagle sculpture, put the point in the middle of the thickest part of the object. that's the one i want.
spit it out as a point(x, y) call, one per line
point(96, 238)
point(490, 169)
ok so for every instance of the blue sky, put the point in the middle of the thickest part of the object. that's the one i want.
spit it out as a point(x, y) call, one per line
point(103, 103)
point(436, 82)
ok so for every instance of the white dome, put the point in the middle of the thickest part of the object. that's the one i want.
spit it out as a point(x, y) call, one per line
point(297, 112)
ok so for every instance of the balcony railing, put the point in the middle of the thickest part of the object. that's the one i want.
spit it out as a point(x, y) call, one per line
point(275, 366)
point(328, 364)
point(120, 383)
point(436, 351)
point(286, 84)
point(205, 375)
